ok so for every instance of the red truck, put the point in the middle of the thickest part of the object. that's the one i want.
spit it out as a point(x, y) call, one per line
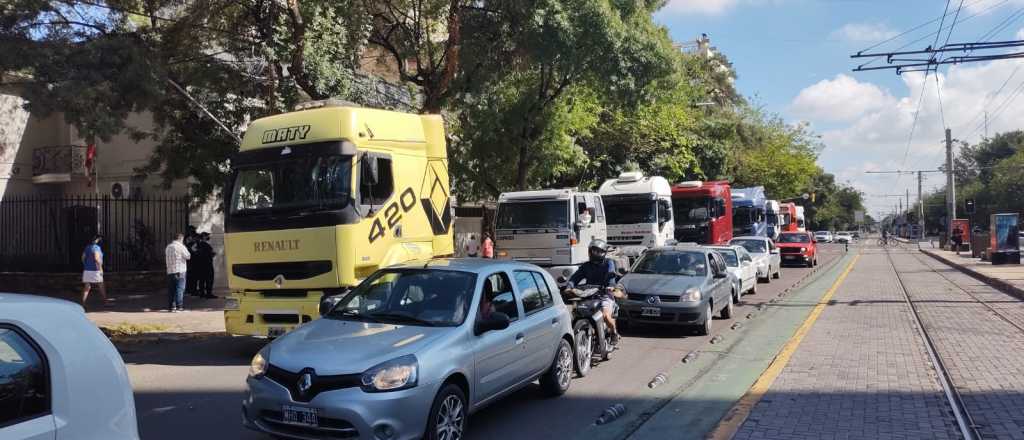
point(788, 221)
point(703, 212)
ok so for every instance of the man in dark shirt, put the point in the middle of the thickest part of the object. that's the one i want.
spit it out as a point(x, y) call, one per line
point(204, 266)
point(599, 271)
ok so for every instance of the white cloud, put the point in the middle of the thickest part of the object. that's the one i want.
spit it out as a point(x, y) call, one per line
point(1019, 35)
point(700, 7)
point(985, 6)
point(863, 33)
point(869, 127)
point(840, 99)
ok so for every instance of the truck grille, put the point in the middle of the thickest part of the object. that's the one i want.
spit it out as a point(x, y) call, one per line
point(295, 270)
point(663, 298)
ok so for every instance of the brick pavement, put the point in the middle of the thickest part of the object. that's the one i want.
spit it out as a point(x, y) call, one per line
point(983, 353)
point(862, 371)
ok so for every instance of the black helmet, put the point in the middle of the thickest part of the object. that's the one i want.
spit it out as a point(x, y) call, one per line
point(598, 249)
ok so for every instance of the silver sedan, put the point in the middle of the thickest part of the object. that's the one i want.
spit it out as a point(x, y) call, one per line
point(412, 351)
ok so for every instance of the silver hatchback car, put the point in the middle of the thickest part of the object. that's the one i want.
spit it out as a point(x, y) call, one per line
point(412, 351)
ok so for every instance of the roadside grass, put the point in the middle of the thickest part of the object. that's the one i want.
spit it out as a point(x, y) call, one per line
point(126, 329)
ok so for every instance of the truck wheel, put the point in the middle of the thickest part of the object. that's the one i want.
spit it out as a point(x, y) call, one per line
point(584, 334)
point(556, 380)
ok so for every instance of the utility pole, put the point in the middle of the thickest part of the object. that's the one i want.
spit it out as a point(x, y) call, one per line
point(950, 189)
point(920, 202)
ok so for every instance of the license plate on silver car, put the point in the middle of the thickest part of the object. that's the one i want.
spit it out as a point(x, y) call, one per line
point(650, 311)
point(297, 415)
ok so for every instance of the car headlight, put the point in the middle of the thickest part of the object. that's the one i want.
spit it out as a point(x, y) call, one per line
point(803, 249)
point(231, 303)
point(393, 375)
point(258, 366)
point(692, 294)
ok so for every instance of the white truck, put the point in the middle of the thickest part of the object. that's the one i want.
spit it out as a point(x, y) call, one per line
point(639, 212)
point(550, 228)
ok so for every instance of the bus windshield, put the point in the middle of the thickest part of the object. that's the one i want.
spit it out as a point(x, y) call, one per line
point(533, 215)
point(305, 183)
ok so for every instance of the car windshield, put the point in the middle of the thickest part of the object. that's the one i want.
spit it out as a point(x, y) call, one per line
point(794, 238)
point(323, 182)
point(690, 211)
point(752, 246)
point(822, 232)
point(672, 263)
point(425, 297)
point(731, 259)
point(629, 212)
point(533, 215)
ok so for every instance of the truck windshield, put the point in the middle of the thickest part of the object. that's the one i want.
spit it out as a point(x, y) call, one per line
point(628, 212)
point(304, 183)
point(419, 297)
point(744, 216)
point(691, 210)
point(672, 263)
point(533, 215)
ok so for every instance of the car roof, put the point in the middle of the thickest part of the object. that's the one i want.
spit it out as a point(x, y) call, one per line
point(474, 265)
point(724, 247)
point(750, 237)
point(38, 311)
point(681, 247)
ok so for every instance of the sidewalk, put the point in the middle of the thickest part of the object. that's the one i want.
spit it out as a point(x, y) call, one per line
point(140, 314)
point(861, 372)
point(1008, 277)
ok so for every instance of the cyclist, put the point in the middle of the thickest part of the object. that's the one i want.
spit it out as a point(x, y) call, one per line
point(600, 271)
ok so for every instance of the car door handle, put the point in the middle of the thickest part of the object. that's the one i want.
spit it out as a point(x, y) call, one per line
point(554, 322)
point(520, 339)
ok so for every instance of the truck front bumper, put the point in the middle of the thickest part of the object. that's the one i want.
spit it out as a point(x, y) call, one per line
point(266, 314)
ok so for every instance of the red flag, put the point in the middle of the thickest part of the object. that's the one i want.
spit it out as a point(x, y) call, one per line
point(90, 161)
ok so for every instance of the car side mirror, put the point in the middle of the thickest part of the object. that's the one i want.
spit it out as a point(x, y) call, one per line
point(775, 251)
point(721, 274)
point(328, 302)
point(562, 279)
point(621, 272)
point(496, 321)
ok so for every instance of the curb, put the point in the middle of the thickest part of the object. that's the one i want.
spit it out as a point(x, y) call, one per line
point(999, 284)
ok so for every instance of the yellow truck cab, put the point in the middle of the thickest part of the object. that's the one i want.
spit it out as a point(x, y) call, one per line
point(322, 197)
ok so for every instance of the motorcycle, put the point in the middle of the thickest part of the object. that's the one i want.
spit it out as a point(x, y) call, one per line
point(588, 325)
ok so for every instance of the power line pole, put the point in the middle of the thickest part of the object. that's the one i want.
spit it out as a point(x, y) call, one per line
point(920, 202)
point(950, 189)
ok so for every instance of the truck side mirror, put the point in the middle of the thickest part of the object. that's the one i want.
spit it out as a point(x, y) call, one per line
point(369, 173)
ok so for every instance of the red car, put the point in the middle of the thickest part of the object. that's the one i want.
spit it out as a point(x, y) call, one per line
point(798, 247)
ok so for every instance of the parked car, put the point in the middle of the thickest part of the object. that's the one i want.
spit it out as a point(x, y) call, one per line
point(683, 285)
point(741, 266)
point(765, 254)
point(413, 351)
point(823, 237)
point(798, 247)
point(844, 237)
point(60, 377)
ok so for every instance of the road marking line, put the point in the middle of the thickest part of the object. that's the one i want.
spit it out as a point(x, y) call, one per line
point(738, 414)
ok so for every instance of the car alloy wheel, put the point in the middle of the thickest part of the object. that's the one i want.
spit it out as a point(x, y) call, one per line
point(705, 328)
point(450, 420)
point(584, 334)
point(727, 310)
point(564, 365)
point(555, 381)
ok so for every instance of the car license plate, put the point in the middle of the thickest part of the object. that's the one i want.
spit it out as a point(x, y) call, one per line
point(297, 415)
point(650, 311)
point(789, 257)
point(274, 332)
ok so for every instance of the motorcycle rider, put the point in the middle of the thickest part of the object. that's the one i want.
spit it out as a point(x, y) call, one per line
point(599, 271)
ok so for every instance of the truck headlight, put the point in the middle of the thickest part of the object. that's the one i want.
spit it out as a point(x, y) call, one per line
point(692, 294)
point(231, 303)
point(258, 366)
point(393, 375)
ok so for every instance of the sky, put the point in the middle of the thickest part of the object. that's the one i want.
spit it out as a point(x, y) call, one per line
point(792, 57)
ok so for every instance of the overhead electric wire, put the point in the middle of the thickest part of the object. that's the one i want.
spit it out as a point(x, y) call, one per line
point(986, 10)
point(989, 100)
point(941, 22)
point(1002, 107)
point(938, 93)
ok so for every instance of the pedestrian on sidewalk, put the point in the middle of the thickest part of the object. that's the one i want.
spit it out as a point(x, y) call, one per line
point(176, 256)
point(191, 243)
point(957, 238)
point(472, 248)
point(92, 270)
point(203, 265)
point(488, 251)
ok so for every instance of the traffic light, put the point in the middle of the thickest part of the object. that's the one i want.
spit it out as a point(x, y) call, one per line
point(969, 206)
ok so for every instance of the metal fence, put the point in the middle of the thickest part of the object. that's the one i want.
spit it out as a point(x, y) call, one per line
point(48, 234)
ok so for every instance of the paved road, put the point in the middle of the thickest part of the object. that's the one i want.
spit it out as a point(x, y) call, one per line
point(195, 387)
